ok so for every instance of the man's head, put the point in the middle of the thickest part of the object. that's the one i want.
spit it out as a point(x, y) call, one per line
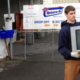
point(70, 13)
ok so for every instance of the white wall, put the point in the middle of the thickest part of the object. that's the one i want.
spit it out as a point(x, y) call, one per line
point(59, 1)
point(65, 1)
point(47, 2)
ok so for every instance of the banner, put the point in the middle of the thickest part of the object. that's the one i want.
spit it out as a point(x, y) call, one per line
point(46, 16)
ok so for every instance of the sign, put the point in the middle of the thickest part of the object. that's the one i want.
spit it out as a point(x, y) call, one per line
point(31, 10)
point(27, 23)
point(12, 16)
point(53, 11)
point(46, 16)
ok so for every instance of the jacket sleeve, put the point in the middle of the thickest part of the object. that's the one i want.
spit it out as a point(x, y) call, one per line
point(62, 44)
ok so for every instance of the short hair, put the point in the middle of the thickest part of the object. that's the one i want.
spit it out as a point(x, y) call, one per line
point(68, 9)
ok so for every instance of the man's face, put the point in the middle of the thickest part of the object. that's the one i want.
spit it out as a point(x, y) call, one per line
point(70, 15)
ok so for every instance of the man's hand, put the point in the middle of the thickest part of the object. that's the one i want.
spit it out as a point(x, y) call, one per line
point(75, 54)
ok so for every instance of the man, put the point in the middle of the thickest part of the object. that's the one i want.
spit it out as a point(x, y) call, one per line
point(72, 59)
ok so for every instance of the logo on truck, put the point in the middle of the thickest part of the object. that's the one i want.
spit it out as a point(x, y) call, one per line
point(53, 11)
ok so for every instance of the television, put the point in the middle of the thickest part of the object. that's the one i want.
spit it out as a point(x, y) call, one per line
point(75, 38)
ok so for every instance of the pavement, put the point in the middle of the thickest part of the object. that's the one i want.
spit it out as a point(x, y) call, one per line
point(33, 70)
point(7, 64)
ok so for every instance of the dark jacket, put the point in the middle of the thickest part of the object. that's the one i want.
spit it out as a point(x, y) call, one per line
point(64, 41)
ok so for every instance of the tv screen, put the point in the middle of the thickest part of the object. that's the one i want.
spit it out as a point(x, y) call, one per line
point(78, 39)
point(75, 38)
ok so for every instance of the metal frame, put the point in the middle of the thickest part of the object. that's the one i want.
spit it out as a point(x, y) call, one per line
point(8, 1)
